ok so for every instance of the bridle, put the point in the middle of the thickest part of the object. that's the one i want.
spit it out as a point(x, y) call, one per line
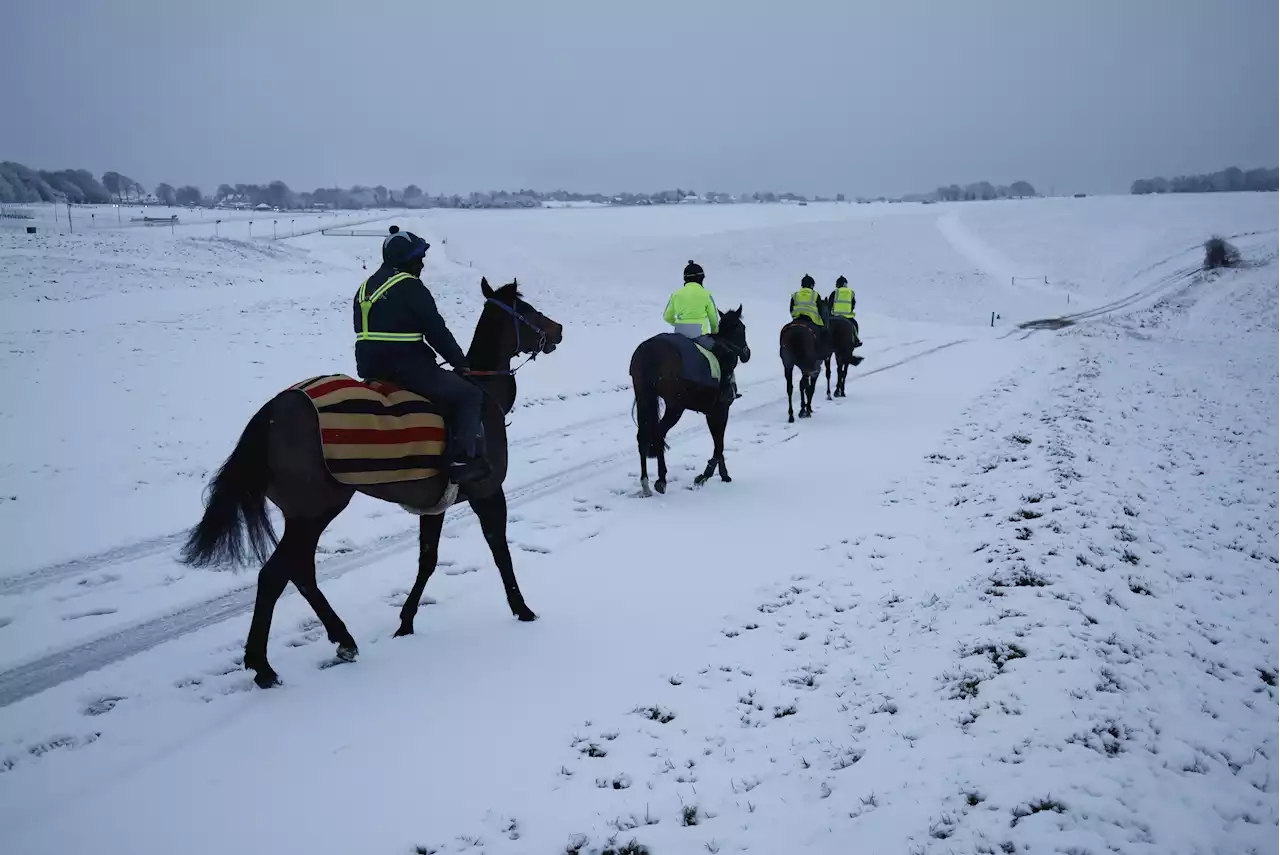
point(517, 320)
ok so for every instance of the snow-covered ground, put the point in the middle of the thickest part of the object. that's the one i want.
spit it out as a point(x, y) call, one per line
point(1017, 593)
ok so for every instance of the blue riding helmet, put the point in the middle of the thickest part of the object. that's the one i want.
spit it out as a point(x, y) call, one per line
point(403, 247)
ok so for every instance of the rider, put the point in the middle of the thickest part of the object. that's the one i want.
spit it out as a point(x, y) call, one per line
point(804, 303)
point(693, 314)
point(394, 312)
point(843, 302)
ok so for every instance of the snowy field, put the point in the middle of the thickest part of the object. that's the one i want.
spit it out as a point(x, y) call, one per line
point(1016, 593)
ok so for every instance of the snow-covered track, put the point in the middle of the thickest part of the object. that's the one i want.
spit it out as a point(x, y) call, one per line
point(52, 669)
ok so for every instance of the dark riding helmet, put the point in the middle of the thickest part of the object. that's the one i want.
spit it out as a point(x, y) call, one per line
point(402, 247)
point(693, 272)
point(841, 282)
point(807, 281)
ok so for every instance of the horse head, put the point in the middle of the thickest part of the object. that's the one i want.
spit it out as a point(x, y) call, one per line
point(733, 333)
point(525, 329)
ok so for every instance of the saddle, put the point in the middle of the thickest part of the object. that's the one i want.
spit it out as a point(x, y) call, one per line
point(699, 364)
point(376, 433)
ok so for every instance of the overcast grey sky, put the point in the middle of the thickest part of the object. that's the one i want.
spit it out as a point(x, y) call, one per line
point(814, 96)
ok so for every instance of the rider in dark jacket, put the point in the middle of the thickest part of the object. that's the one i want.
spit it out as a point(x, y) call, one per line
point(393, 313)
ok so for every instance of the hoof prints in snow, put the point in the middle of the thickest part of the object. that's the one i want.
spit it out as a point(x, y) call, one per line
point(1003, 639)
point(102, 705)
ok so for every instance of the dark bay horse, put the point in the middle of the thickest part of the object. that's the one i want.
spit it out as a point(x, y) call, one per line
point(843, 335)
point(279, 457)
point(805, 346)
point(657, 372)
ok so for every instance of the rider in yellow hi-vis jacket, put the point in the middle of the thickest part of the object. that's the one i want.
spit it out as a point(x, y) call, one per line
point(692, 313)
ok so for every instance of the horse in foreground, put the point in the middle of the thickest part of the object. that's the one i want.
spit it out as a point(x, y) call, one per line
point(316, 444)
point(669, 368)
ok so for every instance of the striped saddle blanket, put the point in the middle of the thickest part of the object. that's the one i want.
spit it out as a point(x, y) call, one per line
point(376, 433)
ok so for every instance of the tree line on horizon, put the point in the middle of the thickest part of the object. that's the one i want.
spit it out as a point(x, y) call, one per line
point(22, 184)
point(1229, 180)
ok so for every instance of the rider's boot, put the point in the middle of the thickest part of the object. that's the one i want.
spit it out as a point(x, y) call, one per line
point(471, 464)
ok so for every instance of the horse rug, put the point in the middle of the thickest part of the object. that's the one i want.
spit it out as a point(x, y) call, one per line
point(376, 433)
point(699, 365)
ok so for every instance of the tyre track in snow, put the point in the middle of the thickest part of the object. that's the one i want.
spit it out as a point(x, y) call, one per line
point(1164, 285)
point(57, 667)
point(113, 558)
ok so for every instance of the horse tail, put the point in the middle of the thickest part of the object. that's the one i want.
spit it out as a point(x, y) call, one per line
point(235, 505)
point(647, 418)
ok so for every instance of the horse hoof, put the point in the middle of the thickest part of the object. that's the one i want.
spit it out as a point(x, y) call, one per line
point(645, 490)
point(405, 629)
point(525, 614)
point(266, 679)
point(347, 654)
point(725, 478)
point(791, 419)
point(660, 486)
point(700, 480)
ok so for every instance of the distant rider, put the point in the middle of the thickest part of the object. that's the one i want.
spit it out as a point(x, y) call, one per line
point(804, 303)
point(394, 312)
point(693, 314)
point(843, 302)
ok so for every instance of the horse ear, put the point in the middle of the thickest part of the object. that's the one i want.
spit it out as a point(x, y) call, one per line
point(485, 289)
point(739, 310)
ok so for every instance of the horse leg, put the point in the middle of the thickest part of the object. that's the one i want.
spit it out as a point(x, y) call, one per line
point(827, 362)
point(717, 420)
point(644, 474)
point(492, 513)
point(272, 579)
point(304, 579)
point(791, 414)
point(669, 419)
point(429, 527)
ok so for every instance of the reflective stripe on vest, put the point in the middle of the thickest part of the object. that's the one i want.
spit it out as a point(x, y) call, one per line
point(366, 303)
point(843, 306)
point(804, 302)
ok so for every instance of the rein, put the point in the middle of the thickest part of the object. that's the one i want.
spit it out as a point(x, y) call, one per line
point(517, 320)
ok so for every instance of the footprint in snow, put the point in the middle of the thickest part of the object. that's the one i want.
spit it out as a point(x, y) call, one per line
point(5, 621)
point(95, 581)
point(102, 705)
point(90, 613)
point(536, 550)
point(459, 571)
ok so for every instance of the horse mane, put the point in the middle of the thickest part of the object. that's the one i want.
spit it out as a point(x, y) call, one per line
point(509, 293)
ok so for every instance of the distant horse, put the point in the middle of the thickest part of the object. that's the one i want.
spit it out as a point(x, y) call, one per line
point(657, 372)
point(804, 346)
point(843, 335)
point(280, 457)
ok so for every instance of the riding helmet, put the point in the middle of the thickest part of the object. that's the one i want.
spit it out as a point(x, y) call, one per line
point(841, 282)
point(403, 247)
point(807, 281)
point(693, 272)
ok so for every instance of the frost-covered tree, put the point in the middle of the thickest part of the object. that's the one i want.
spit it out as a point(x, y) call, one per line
point(188, 195)
point(166, 195)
